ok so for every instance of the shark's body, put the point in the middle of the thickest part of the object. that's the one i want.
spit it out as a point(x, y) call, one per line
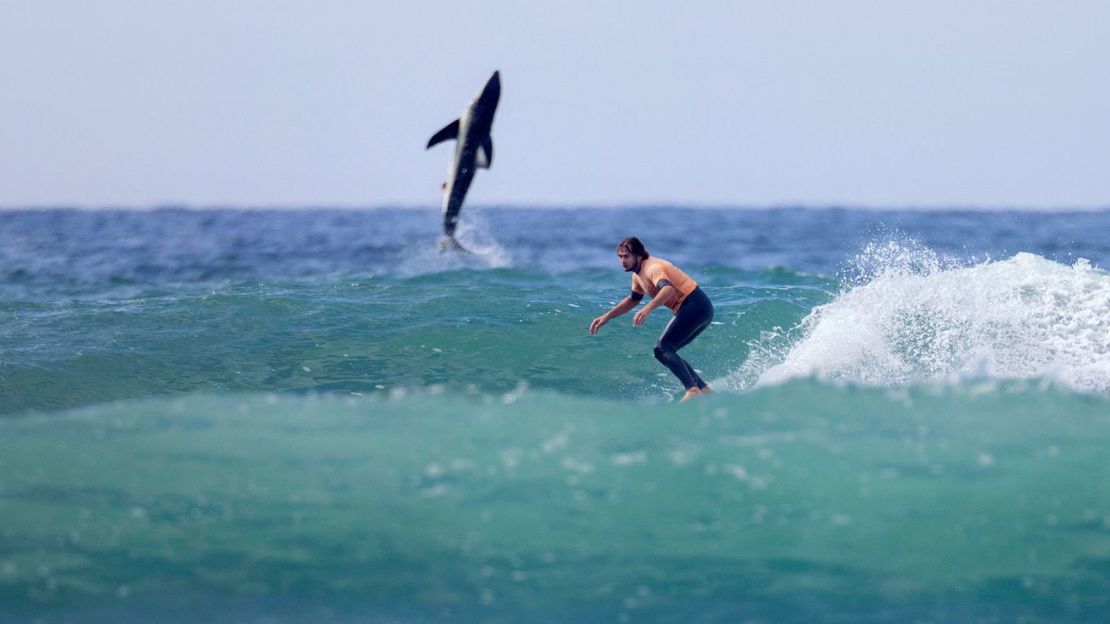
point(474, 149)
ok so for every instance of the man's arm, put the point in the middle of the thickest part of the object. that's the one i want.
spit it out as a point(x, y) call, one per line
point(625, 305)
point(663, 297)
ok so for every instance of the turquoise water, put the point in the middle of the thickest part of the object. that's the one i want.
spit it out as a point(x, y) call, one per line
point(466, 330)
point(798, 502)
point(315, 417)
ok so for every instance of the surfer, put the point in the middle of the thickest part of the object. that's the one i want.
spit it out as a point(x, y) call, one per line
point(667, 286)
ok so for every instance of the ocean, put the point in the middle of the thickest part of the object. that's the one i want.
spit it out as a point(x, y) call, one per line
point(312, 415)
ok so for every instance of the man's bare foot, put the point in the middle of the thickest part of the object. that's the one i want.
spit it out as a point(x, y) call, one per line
point(691, 393)
point(707, 390)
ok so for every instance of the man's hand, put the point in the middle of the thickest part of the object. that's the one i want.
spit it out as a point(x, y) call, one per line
point(640, 317)
point(596, 324)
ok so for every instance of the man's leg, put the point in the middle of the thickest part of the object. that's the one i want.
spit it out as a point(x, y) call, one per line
point(692, 319)
point(666, 355)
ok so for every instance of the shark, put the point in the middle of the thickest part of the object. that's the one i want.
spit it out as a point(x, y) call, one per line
point(473, 151)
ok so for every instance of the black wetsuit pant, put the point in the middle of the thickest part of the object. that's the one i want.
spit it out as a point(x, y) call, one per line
point(692, 318)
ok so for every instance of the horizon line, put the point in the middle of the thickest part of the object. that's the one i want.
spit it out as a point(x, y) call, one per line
point(352, 207)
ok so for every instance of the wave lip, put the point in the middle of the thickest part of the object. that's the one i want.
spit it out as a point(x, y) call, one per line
point(914, 322)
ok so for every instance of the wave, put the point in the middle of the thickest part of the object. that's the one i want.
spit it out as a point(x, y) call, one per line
point(914, 317)
point(786, 502)
point(486, 328)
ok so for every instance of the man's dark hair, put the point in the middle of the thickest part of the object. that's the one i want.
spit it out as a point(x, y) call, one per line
point(634, 247)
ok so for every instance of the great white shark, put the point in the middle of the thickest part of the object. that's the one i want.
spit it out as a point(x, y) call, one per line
point(473, 150)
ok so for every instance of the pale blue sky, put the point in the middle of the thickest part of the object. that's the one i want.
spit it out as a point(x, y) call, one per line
point(252, 103)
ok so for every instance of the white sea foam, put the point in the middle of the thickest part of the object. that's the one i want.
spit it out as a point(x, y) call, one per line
point(475, 236)
point(914, 317)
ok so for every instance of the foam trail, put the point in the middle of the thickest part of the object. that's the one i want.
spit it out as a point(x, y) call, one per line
point(918, 319)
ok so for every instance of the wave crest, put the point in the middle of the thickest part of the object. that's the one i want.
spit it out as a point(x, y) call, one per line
point(917, 318)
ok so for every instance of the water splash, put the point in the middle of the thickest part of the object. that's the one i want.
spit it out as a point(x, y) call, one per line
point(475, 235)
point(914, 317)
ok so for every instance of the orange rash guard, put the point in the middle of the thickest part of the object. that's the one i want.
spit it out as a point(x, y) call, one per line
point(655, 270)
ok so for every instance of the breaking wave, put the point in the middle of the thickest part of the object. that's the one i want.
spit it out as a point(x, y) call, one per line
point(916, 318)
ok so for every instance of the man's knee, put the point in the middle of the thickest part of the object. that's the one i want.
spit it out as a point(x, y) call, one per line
point(661, 352)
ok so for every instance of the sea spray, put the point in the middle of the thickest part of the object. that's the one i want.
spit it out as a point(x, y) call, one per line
point(918, 319)
point(422, 256)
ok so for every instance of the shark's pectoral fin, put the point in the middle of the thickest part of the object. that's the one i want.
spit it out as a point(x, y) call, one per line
point(485, 154)
point(450, 131)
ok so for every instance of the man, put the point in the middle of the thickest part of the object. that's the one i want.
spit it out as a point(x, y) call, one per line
point(668, 286)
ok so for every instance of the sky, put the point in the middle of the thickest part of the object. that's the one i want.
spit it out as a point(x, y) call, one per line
point(984, 104)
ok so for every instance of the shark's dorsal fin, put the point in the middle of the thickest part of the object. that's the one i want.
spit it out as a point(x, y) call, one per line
point(450, 131)
point(485, 153)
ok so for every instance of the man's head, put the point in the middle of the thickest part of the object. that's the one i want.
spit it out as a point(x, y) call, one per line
point(631, 253)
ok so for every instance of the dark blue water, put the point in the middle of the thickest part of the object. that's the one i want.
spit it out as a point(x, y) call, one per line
point(105, 248)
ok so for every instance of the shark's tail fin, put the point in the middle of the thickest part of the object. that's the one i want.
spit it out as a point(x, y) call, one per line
point(450, 243)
